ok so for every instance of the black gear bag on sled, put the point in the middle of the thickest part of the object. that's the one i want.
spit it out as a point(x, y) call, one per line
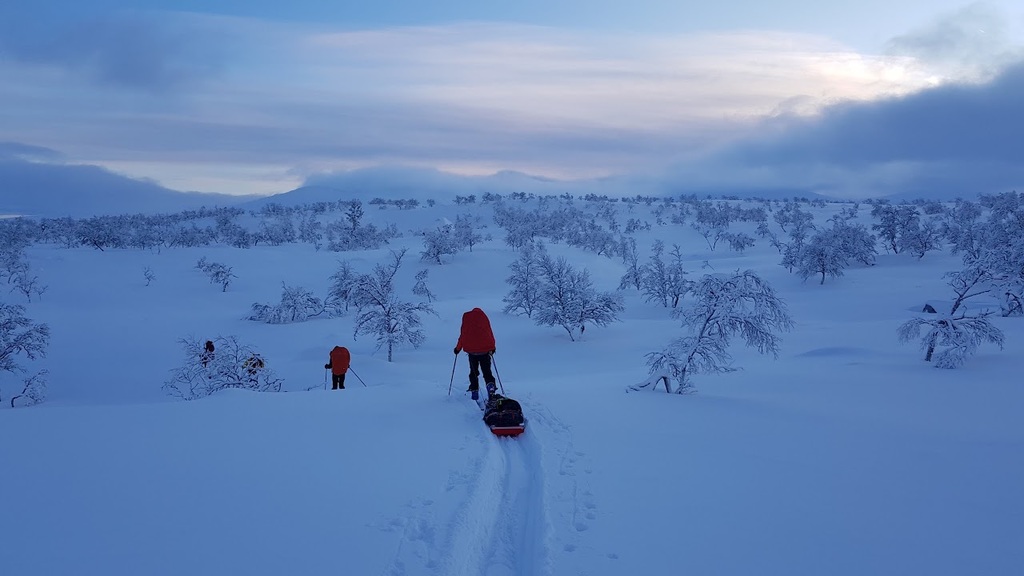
point(504, 416)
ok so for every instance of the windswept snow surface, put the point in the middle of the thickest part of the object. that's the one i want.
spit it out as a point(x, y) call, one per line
point(848, 455)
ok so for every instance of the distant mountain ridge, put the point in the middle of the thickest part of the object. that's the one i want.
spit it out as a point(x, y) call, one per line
point(399, 183)
point(39, 189)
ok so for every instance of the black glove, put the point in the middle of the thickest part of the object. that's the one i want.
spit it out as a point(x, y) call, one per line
point(327, 366)
point(456, 351)
point(493, 351)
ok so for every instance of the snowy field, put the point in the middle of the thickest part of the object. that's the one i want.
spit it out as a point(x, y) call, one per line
point(847, 455)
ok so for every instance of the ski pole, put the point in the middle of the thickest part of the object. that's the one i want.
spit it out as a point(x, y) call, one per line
point(325, 378)
point(357, 377)
point(453, 375)
point(497, 375)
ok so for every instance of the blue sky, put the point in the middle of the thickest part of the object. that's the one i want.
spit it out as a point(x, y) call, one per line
point(260, 97)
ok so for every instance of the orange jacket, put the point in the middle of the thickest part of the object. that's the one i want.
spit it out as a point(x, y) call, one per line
point(476, 336)
point(340, 359)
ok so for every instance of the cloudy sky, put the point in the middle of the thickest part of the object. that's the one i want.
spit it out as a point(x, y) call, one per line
point(258, 97)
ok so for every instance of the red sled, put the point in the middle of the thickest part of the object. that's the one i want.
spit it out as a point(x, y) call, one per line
point(508, 430)
point(504, 416)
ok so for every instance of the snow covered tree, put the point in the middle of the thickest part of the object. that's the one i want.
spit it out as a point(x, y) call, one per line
point(790, 215)
point(525, 281)
point(392, 321)
point(311, 230)
point(101, 232)
point(962, 229)
point(631, 258)
point(277, 230)
point(231, 365)
point(340, 293)
point(999, 248)
point(801, 225)
point(724, 306)
point(33, 390)
point(420, 287)
point(824, 254)
point(919, 238)
point(465, 231)
point(895, 222)
point(738, 241)
point(959, 336)
point(712, 221)
point(297, 305)
point(857, 243)
point(437, 243)
point(354, 215)
point(661, 281)
point(20, 336)
point(959, 333)
point(568, 299)
point(27, 284)
point(218, 273)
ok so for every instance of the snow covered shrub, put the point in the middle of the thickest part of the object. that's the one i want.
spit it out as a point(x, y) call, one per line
point(28, 285)
point(33, 390)
point(218, 273)
point(19, 336)
point(724, 306)
point(230, 365)
point(420, 288)
point(958, 333)
point(957, 336)
point(297, 305)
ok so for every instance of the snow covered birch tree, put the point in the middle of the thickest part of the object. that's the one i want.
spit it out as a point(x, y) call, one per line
point(956, 332)
point(297, 304)
point(824, 255)
point(664, 282)
point(420, 288)
point(724, 306)
point(525, 281)
point(20, 336)
point(567, 298)
point(339, 294)
point(438, 243)
point(392, 321)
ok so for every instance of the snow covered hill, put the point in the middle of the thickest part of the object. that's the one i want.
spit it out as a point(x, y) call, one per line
point(848, 455)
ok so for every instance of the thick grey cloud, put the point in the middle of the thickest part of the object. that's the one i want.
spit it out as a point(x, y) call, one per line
point(134, 51)
point(953, 140)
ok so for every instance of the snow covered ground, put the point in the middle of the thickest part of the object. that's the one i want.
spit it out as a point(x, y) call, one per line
point(848, 455)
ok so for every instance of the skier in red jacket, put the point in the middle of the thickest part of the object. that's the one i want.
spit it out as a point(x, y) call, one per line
point(477, 340)
point(338, 364)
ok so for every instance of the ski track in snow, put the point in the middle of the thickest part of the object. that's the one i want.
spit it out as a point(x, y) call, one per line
point(499, 529)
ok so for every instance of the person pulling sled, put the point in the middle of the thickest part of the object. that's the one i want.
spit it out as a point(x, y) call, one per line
point(477, 339)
